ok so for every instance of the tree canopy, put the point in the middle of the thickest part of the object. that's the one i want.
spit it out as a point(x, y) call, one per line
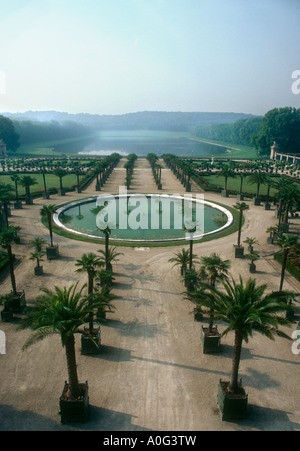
point(281, 125)
point(8, 134)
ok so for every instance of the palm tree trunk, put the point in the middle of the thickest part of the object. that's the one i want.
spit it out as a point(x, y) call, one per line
point(5, 207)
point(17, 193)
point(106, 250)
point(286, 213)
point(284, 260)
point(191, 255)
point(240, 228)
point(11, 270)
point(279, 212)
point(72, 367)
point(257, 190)
point(50, 229)
point(90, 291)
point(44, 180)
point(238, 340)
point(241, 186)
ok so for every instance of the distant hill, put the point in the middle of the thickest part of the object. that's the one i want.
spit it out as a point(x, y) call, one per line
point(145, 120)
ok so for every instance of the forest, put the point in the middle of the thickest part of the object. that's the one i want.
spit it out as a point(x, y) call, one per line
point(279, 124)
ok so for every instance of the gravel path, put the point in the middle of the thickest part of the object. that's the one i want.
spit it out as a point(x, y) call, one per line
point(151, 373)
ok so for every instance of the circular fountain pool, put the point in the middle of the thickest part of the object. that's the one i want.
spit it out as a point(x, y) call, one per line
point(143, 218)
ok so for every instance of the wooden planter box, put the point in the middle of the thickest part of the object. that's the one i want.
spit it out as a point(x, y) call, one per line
point(98, 187)
point(28, 201)
point(285, 227)
point(61, 192)
point(52, 252)
point(240, 196)
point(256, 201)
point(38, 270)
point(18, 205)
point(18, 302)
point(74, 410)
point(210, 342)
point(232, 407)
point(88, 345)
point(238, 251)
point(6, 315)
point(46, 196)
point(224, 193)
point(252, 267)
point(267, 206)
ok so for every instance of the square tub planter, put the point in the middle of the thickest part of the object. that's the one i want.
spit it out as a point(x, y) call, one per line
point(210, 342)
point(232, 407)
point(256, 201)
point(28, 201)
point(18, 205)
point(52, 252)
point(238, 251)
point(252, 267)
point(74, 410)
point(90, 345)
point(224, 193)
point(18, 302)
point(38, 271)
point(6, 315)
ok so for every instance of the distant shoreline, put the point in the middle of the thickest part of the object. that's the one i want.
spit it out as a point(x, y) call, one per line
point(215, 144)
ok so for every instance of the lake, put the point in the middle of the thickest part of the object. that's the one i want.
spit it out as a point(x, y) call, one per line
point(140, 142)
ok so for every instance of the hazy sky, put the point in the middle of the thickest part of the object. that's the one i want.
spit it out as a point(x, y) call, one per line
point(120, 56)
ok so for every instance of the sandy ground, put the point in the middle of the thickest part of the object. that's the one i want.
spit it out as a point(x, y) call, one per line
point(151, 374)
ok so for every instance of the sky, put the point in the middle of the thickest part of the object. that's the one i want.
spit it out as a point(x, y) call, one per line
point(124, 56)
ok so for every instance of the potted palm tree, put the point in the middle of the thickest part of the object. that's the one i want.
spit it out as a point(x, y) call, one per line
point(43, 171)
point(258, 178)
point(110, 255)
point(47, 213)
point(63, 312)
point(60, 173)
point(286, 242)
point(251, 242)
point(245, 308)
point(212, 267)
point(226, 172)
point(5, 196)
point(8, 237)
point(38, 257)
point(16, 179)
point(6, 313)
point(239, 249)
point(90, 339)
point(182, 259)
point(242, 176)
point(27, 181)
point(253, 256)
point(271, 230)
